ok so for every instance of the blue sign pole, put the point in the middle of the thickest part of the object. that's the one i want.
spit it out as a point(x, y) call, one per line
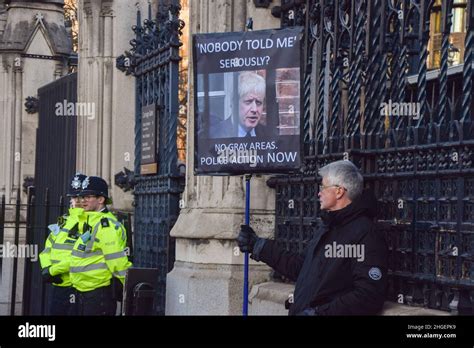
point(246, 254)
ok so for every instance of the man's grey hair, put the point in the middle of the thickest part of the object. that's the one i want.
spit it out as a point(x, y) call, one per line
point(345, 174)
point(251, 82)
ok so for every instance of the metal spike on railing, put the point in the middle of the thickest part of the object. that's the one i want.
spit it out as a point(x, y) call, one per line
point(15, 259)
point(423, 37)
point(443, 72)
point(468, 71)
point(45, 233)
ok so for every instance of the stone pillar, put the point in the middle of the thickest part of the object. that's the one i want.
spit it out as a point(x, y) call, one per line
point(17, 134)
point(3, 17)
point(106, 143)
point(207, 277)
point(26, 28)
point(6, 145)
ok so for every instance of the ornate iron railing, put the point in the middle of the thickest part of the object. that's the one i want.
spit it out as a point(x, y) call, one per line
point(154, 60)
point(359, 55)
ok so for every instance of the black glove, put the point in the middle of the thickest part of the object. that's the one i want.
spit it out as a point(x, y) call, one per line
point(247, 239)
point(48, 278)
point(117, 289)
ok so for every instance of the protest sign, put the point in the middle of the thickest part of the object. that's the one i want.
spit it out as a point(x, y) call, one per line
point(247, 102)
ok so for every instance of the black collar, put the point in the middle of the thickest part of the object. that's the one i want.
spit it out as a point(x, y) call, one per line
point(365, 204)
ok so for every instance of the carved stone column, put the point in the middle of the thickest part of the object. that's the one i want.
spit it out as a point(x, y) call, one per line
point(27, 45)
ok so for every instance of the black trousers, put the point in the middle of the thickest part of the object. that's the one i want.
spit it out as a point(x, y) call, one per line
point(62, 301)
point(97, 302)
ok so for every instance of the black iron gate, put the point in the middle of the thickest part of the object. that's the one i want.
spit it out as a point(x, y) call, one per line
point(359, 55)
point(54, 166)
point(154, 61)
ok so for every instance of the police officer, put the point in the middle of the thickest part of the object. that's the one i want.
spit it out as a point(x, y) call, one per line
point(55, 257)
point(99, 256)
point(344, 268)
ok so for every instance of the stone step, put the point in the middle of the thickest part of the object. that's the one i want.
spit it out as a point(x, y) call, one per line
point(269, 298)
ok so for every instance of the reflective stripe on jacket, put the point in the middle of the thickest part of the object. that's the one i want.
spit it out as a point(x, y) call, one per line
point(100, 254)
point(59, 244)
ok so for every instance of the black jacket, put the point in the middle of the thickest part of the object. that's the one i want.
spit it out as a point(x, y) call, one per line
point(331, 283)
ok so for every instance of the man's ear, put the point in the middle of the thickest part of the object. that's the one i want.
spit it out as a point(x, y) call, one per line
point(101, 200)
point(340, 193)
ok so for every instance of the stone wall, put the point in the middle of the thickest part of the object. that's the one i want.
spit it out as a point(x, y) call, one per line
point(105, 143)
point(30, 28)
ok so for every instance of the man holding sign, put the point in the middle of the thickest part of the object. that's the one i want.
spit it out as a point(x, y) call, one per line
point(343, 270)
point(256, 75)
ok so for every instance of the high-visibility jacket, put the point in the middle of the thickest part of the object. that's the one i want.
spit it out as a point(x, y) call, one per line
point(99, 254)
point(57, 252)
point(114, 220)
